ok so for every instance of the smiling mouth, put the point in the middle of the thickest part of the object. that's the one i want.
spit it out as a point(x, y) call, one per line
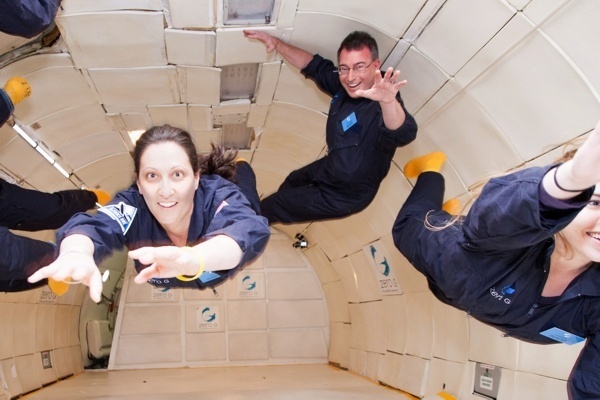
point(168, 205)
point(353, 85)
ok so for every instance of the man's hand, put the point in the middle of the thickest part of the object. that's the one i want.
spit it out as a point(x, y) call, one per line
point(292, 54)
point(269, 41)
point(384, 88)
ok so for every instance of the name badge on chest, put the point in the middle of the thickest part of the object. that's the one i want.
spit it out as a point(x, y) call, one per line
point(349, 121)
point(562, 336)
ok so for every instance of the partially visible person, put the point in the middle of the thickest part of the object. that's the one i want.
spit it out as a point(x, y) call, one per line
point(32, 210)
point(182, 227)
point(367, 121)
point(526, 257)
point(27, 18)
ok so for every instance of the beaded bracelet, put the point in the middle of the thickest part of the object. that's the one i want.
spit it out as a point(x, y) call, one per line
point(562, 188)
point(187, 278)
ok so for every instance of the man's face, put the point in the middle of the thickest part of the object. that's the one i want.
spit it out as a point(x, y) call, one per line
point(354, 80)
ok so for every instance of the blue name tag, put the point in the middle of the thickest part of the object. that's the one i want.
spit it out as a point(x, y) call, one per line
point(208, 276)
point(349, 121)
point(562, 336)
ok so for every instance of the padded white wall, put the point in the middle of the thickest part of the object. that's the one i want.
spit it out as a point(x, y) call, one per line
point(33, 322)
point(272, 312)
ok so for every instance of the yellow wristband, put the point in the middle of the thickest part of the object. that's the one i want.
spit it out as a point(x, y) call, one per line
point(187, 278)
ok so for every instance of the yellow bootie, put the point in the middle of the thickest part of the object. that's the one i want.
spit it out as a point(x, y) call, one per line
point(58, 287)
point(452, 207)
point(240, 159)
point(17, 89)
point(102, 195)
point(429, 162)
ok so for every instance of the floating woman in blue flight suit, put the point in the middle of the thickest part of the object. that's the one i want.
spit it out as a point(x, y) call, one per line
point(526, 257)
point(176, 222)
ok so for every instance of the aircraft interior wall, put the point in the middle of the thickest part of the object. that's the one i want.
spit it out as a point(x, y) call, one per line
point(495, 84)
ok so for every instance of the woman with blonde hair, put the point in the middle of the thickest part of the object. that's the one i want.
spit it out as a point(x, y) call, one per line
point(525, 259)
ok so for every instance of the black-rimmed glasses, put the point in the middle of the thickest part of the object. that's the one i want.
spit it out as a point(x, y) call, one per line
point(359, 69)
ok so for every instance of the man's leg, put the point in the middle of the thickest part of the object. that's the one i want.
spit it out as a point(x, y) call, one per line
point(246, 181)
point(19, 258)
point(304, 176)
point(31, 210)
point(313, 203)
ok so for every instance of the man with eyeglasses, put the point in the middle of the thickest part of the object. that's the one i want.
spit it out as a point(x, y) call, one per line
point(367, 121)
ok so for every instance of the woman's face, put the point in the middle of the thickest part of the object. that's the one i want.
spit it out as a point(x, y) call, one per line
point(583, 233)
point(168, 183)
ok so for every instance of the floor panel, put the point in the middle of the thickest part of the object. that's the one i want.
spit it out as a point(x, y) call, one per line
point(289, 382)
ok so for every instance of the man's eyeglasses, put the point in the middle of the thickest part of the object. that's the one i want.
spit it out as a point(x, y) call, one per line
point(359, 69)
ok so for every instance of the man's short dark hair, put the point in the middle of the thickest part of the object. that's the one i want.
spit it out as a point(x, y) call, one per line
point(356, 41)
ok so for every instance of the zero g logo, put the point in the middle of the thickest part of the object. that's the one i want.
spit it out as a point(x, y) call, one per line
point(502, 295)
point(248, 287)
point(248, 283)
point(380, 262)
point(160, 292)
point(208, 315)
point(207, 319)
point(382, 269)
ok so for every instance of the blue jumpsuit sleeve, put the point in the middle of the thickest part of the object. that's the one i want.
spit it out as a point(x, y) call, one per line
point(27, 18)
point(234, 217)
point(106, 232)
point(324, 73)
point(406, 133)
point(507, 215)
point(584, 382)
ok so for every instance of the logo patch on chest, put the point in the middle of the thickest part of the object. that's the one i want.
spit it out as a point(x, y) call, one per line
point(122, 213)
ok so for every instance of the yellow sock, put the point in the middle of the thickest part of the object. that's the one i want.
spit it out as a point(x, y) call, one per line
point(446, 396)
point(17, 89)
point(429, 162)
point(102, 195)
point(240, 159)
point(58, 287)
point(452, 207)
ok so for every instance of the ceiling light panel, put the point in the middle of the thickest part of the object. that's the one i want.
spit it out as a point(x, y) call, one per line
point(244, 12)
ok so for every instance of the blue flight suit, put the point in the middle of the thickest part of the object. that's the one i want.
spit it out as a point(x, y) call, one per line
point(360, 152)
point(27, 18)
point(220, 208)
point(494, 263)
